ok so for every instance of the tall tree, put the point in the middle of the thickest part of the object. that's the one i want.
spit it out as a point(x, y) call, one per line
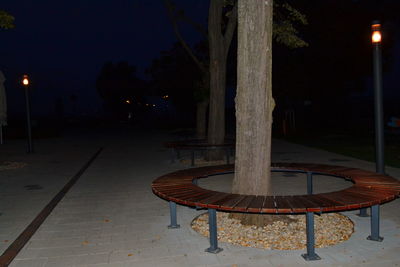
point(254, 102)
point(221, 27)
point(220, 34)
point(202, 96)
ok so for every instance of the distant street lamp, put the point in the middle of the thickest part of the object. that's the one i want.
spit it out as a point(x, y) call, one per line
point(25, 83)
point(378, 102)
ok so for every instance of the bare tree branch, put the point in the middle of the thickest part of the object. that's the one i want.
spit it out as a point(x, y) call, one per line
point(170, 10)
point(230, 28)
point(200, 28)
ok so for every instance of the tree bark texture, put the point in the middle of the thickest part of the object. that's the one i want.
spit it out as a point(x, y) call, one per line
point(201, 119)
point(219, 44)
point(216, 121)
point(254, 103)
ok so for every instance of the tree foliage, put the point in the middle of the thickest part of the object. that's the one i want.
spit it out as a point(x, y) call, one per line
point(175, 75)
point(117, 83)
point(6, 20)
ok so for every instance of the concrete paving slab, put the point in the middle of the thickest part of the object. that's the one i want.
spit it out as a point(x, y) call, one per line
point(111, 218)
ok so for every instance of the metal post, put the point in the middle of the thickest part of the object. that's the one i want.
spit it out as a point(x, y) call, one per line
point(28, 121)
point(227, 155)
point(375, 224)
point(212, 224)
point(309, 183)
point(378, 104)
point(172, 211)
point(363, 213)
point(311, 255)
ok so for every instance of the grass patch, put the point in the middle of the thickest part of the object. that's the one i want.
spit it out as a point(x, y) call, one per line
point(354, 145)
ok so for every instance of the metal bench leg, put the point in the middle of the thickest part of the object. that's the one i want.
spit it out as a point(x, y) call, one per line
point(375, 224)
point(227, 155)
point(309, 183)
point(212, 224)
point(192, 158)
point(172, 210)
point(311, 255)
point(363, 212)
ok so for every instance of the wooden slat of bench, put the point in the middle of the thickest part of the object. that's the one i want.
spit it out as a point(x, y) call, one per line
point(217, 204)
point(231, 204)
point(256, 204)
point(189, 194)
point(370, 190)
point(172, 194)
point(227, 203)
point(373, 190)
point(172, 187)
point(326, 204)
point(269, 205)
point(244, 203)
point(349, 202)
point(372, 194)
point(364, 200)
point(282, 204)
point(205, 202)
point(304, 204)
point(177, 190)
point(203, 195)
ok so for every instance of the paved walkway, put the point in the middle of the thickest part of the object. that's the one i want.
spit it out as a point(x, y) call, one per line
point(111, 218)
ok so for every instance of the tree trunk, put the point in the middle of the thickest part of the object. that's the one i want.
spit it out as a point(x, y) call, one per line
point(216, 120)
point(254, 103)
point(201, 119)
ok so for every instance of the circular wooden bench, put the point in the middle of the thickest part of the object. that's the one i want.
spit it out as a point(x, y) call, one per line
point(369, 189)
point(199, 144)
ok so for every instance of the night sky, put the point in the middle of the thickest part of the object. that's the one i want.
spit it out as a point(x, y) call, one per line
point(63, 44)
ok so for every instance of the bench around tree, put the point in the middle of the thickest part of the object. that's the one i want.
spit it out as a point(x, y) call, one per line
point(369, 189)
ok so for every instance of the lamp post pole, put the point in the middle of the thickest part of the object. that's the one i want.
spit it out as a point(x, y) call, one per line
point(378, 102)
point(25, 82)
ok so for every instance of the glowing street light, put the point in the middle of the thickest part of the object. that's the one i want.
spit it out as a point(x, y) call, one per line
point(25, 83)
point(376, 32)
point(25, 80)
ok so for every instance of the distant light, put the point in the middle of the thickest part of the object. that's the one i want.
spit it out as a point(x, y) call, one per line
point(154, 105)
point(376, 33)
point(127, 101)
point(25, 80)
point(147, 105)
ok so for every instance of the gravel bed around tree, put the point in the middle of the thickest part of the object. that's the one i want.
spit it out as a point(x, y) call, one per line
point(330, 229)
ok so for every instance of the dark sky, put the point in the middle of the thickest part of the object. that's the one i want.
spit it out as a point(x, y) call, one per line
point(63, 44)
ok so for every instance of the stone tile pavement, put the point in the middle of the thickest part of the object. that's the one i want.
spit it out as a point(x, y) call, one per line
point(111, 218)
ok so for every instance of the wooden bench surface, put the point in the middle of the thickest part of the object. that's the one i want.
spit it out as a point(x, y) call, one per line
point(369, 189)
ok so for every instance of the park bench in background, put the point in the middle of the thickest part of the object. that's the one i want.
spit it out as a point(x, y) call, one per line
point(369, 189)
point(194, 145)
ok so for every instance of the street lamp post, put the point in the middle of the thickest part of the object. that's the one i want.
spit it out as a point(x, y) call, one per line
point(25, 82)
point(378, 102)
point(376, 38)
